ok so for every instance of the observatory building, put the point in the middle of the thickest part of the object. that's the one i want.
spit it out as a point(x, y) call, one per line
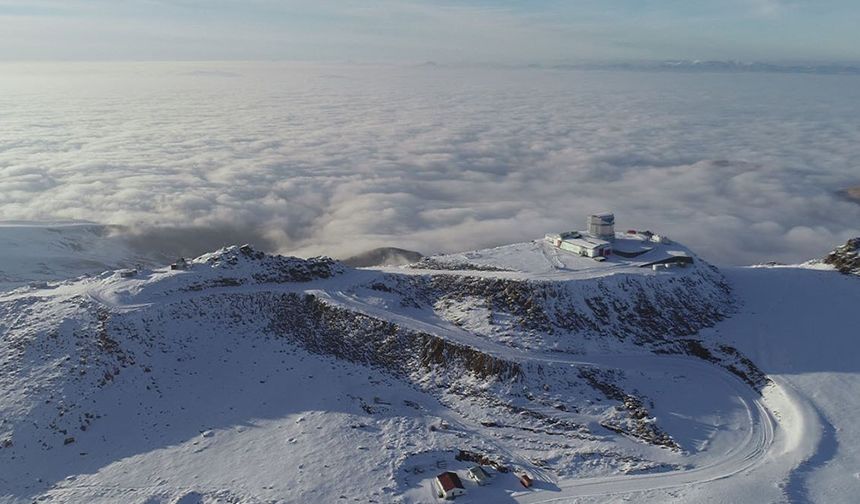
point(602, 226)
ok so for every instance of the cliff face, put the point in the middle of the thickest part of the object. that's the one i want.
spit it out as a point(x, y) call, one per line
point(657, 313)
point(846, 258)
point(637, 308)
point(354, 336)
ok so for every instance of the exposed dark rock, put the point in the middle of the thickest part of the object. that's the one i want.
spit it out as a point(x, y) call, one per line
point(480, 458)
point(722, 355)
point(624, 307)
point(846, 258)
point(327, 329)
point(638, 422)
point(241, 265)
point(430, 263)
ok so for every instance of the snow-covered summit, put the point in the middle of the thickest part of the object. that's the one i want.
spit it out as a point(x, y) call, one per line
point(245, 264)
point(539, 259)
point(240, 376)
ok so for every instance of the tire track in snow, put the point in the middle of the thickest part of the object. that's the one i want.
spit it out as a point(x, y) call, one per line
point(815, 438)
point(747, 455)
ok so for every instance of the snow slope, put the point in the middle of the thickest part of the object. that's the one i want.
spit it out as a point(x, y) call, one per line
point(45, 251)
point(800, 325)
point(255, 378)
point(540, 260)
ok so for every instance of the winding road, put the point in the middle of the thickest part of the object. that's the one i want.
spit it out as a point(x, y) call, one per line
point(765, 429)
point(793, 423)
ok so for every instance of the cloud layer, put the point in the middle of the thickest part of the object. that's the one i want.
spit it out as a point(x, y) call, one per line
point(339, 159)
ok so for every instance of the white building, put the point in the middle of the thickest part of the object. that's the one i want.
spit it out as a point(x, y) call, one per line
point(586, 246)
point(448, 485)
point(602, 226)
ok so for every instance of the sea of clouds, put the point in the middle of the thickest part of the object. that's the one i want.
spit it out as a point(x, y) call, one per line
point(337, 159)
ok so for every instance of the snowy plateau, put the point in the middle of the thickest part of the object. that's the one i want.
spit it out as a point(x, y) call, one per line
point(254, 378)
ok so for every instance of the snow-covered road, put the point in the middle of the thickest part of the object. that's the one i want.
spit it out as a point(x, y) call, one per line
point(788, 429)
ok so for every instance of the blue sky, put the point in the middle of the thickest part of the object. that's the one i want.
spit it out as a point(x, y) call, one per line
point(501, 31)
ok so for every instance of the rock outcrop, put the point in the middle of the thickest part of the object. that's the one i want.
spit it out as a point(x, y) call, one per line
point(846, 258)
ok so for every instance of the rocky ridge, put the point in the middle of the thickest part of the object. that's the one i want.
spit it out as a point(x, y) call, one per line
point(846, 258)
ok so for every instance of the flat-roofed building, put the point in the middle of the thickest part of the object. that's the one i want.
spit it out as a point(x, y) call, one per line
point(576, 242)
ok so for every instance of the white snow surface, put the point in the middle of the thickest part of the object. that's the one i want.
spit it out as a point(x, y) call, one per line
point(215, 408)
point(539, 259)
point(37, 252)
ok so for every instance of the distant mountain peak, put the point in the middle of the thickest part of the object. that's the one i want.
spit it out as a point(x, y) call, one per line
point(722, 66)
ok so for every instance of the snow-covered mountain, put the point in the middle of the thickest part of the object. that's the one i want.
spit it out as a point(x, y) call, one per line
point(248, 377)
point(34, 252)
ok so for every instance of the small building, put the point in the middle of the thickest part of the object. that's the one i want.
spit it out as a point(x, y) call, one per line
point(448, 485)
point(478, 475)
point(525, 479)
point(128, 273)
point(181, 264)
point(602, 226)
